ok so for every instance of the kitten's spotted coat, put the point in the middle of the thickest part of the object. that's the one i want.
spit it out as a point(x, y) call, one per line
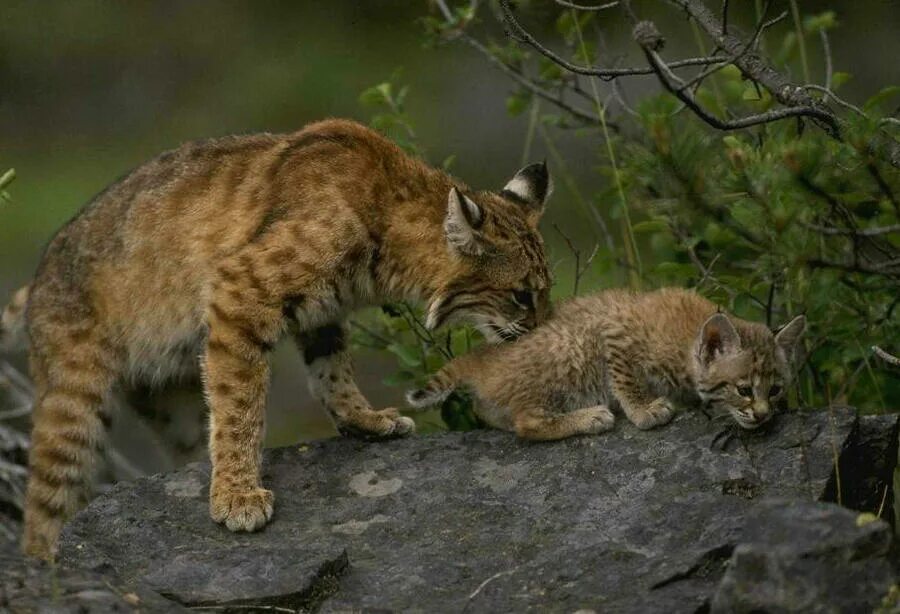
point(644, 352)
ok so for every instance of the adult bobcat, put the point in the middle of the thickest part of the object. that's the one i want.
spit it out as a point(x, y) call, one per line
point(216, 248)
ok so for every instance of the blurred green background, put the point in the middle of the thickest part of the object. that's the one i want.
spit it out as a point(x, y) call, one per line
point(90, 89)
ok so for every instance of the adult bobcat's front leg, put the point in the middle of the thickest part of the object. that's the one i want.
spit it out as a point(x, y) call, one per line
point(236, 382)
point(331, 383)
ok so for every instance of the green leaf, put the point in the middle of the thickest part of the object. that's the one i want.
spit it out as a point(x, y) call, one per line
point(408, 356)
point(650, 226)
point(839, 78)
point(823, 21)
point(7, 178)
point(400, 378)
point(517, 103)
point(374, 95)
point(881, 97)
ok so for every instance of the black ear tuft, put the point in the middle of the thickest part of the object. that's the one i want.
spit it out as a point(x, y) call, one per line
point(530, 186)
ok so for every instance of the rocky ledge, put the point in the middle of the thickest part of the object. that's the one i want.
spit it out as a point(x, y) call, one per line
point(680, 519)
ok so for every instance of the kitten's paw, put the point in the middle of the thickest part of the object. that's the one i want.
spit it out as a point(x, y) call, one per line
point(600, 419)
point(244, 510)
point(660, 411)
point(369, 423)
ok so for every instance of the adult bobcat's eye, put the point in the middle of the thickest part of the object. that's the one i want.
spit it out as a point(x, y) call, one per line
point(745, 391)
point(775, 390)
point(523, 298)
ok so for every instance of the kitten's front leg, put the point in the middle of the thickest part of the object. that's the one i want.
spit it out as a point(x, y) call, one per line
point(331, 382)
point(644, 410)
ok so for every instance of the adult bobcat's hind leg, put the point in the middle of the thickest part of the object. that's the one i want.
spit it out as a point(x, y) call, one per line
point(74, 373)
point(331, 383)
point(538, 424)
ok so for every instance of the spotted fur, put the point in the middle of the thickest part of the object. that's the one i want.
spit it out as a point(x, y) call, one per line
point(645, 353)
point(198, 261)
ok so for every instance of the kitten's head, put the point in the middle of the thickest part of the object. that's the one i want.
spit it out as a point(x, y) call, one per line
point(500, 281)
point(745, 370)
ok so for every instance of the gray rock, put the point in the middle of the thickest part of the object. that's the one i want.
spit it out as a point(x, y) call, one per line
point(806, 557)
point(31, 586)
point(629, 521)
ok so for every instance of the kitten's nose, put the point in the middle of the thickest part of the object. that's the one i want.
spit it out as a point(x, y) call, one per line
point(761, 409)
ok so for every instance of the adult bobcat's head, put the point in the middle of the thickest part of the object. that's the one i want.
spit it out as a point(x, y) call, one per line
point(747, 370)
point(500, 280)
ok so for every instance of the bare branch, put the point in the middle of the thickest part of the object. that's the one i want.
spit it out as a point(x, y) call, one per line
point(519, 33)
point(648, 37)
point(888, 358)
point(751, 44)
point(757, 69)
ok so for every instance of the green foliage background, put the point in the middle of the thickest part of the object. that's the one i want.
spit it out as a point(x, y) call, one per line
point(91, 88)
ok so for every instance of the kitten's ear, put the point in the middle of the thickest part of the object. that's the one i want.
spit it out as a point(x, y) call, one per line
point(718, 336)
point(530, 187)
point(789, 335)
point(464, 218)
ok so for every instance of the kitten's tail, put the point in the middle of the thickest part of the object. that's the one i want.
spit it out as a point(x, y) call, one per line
point(438, 388)
point(12, 321)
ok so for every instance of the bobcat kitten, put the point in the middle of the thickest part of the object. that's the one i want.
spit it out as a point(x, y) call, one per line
point(644, 352)
point(201, 258)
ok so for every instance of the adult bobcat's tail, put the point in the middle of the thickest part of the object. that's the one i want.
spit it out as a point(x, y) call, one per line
point(12, 321)
point(437, 388)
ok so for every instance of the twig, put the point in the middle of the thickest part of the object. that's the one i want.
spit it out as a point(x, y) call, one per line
point(374, 334)
point(579, 269)
point(725, 16)
point(859, 232)
point(528, 84)
point(888, 358)
point(826, 51)
point(519, 33)
point(581, 7)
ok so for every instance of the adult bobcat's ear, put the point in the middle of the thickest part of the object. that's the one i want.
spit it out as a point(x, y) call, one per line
point(464, 218)
point(530, 187)
point(789, 335)
point(718, 336)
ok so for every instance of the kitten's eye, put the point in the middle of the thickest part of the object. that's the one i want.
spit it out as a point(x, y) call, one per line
point(745, 391)
point(775, 390)
point(523, 298)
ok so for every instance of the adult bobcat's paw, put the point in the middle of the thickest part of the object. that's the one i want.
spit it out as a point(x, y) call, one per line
point(243, 510)
point(658, 412)
point(369, 423)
